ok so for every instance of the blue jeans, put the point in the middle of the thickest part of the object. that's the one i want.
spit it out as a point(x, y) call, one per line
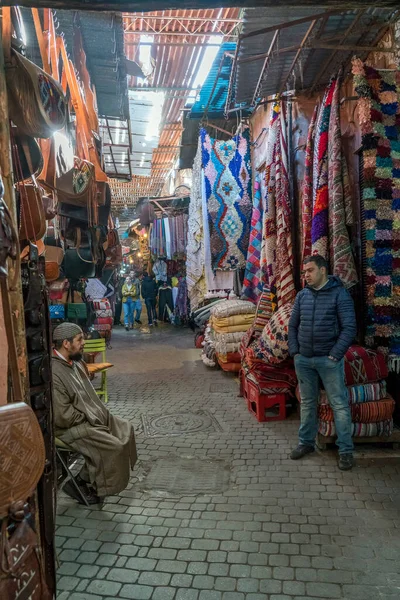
point(309, 371)
point(130, 307)
point(151, 309)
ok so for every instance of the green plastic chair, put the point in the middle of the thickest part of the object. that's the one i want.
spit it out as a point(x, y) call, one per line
point(96, 347)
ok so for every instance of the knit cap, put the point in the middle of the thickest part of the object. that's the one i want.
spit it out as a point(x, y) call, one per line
point(66, 331)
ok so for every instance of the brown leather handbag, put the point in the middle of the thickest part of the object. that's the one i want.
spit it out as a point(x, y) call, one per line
point(53, 259)
point(33, 219)
point(36, 101)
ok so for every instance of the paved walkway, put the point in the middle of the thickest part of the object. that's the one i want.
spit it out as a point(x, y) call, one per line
point(280, 531)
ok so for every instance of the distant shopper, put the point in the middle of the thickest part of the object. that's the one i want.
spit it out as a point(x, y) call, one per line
point(82, 421)
point(131, 302)
point(321, 329)
point(149, 295)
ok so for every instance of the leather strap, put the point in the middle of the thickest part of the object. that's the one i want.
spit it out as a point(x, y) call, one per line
point(12, 348)
point(6, 32)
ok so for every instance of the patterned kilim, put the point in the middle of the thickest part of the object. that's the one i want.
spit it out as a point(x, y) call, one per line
point(285, 289)
point(268, 245)
point(340, 253)
point(320, 220)
point(379, 111)
point(227, 171)
point(273, 343)
point(53, 102)
point(369, 392)
point(266, 307)
point(364, 366)
point(366, 412)
point(383, 428)
point(276, 248)
point(307, 187)
point(252, 284)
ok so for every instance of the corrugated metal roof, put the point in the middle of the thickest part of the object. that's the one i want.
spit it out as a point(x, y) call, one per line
point(313, 65)
point(180, 39)
point(132, 5)
point(103, 40)
point(214, 92)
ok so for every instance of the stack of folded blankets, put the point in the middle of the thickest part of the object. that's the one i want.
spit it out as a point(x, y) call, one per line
point(371, 407)
point(229, 321)
point(265, 357)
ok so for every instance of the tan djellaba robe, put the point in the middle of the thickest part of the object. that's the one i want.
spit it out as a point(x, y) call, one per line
point(83, 422)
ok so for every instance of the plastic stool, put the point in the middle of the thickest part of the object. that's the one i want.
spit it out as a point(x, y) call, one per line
point(258, 403)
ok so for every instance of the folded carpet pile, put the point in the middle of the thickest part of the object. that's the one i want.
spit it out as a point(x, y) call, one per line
point(371, 407)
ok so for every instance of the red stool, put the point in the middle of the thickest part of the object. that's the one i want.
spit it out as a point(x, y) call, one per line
point(258, 403)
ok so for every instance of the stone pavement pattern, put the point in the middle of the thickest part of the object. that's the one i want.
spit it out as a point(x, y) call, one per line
point(283, 530)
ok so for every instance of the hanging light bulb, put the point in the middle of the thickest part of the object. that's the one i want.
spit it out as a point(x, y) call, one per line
point(145, 235)
point(139, 254)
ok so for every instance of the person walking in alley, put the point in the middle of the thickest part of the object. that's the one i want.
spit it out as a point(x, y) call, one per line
point(131, 302)
point(321, 329)
point(82, 421)
point(149, 295)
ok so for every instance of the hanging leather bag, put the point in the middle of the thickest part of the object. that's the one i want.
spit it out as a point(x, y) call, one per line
point(20, 142)
point(53, 260)
point(33, 219)
point(36, 101)
point(79, 261)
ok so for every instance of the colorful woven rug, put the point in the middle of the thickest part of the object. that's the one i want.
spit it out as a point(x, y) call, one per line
point(227, 170)
point(268, 245)
point(369, 392)
point(276, 248)
point(340, 252)
point(307, 188)
point(195, 275)
point(252, 283)
point(379, 114)
point(364, 366)
point(285, 288)
point(366, 412)
point(383, 428)
point(320, 220)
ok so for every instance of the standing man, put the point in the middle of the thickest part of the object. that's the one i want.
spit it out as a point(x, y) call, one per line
point(149, 294)
point(321, 329)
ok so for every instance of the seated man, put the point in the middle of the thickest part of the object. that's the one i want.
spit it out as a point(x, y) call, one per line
point(83, 422)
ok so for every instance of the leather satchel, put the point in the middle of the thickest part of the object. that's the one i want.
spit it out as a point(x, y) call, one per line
point(33, 219)
point(22, 454)
point(21, 144)
point(36, 101)
point(54, 257)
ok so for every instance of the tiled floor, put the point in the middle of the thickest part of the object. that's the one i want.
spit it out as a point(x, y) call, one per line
point(280, 531)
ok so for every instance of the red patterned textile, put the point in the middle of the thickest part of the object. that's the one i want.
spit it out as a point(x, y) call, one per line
point(366, 412)
point(362, 365)
point(307, 187)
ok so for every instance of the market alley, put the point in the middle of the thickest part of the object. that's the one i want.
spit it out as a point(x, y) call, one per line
point(215, 509)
